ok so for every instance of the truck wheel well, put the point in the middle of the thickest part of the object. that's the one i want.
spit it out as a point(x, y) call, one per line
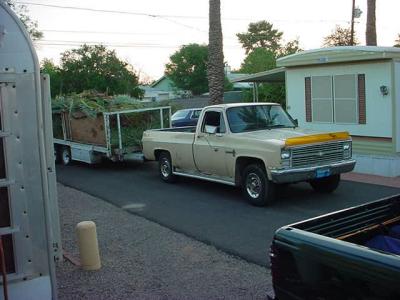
point(158, 152)
point(243, 162)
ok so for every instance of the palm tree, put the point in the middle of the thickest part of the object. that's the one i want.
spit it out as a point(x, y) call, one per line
point(397, 41)
point(215, 54)
point(370, 37)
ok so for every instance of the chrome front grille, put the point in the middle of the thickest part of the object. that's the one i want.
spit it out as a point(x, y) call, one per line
point(317, 154)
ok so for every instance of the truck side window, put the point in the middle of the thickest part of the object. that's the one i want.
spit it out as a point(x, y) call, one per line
point(214, 118)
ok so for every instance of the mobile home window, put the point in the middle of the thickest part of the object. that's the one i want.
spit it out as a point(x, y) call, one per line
point(345, 99)
point(322, 100)
point(334, 99)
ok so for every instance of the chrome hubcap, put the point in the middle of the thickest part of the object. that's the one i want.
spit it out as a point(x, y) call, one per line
point(165, 168)
point(253, 185)
point(66, 157)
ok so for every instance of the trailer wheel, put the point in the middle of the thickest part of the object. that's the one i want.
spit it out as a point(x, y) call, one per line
point(326, 185)
point(256, 187)
point(57, 155)
point(66, 156)
point(165, 167)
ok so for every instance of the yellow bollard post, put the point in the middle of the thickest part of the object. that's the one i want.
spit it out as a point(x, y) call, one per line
point(88, 245)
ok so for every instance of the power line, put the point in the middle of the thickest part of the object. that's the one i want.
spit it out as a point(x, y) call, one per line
point(117, 45)
point(169, 17)
point(104, 32)
point(163, 17)
point(119, 33)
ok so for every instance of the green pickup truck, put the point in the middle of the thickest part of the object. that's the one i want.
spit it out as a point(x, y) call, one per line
point(349, 254)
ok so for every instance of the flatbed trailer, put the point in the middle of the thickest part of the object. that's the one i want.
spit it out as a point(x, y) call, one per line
point(110, 135)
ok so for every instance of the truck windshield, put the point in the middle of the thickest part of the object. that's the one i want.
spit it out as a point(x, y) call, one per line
point(257, 117)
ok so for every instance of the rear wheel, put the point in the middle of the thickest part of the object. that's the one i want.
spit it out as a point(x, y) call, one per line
point(257, 189)
point(326, 185)
point(57, 154)
point(66, 156)
point(165, 167)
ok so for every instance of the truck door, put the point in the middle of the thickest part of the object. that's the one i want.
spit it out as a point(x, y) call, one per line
point(209, 148)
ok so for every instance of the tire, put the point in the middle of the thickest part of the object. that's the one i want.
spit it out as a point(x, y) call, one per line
point(57, 158)
point(65, 156)
point(326, 185)
point(165, 168)
point(256, 187)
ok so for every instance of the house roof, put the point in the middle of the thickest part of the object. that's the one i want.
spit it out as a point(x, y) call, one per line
point(271, 76)
point(159, 80)
point(338, 55)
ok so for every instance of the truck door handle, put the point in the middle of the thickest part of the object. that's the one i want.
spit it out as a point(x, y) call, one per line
point(233, 152)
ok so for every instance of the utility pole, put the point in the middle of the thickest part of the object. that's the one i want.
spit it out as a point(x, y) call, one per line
point(352, 23)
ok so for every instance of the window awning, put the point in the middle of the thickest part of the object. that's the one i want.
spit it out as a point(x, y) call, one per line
point(270, 76)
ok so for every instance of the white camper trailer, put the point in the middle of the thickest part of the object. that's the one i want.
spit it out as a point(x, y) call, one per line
point(29, 221)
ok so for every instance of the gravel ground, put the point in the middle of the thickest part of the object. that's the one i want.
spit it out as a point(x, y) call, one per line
point(143, 260)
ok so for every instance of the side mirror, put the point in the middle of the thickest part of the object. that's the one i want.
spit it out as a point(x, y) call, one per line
point(211, 129)
point(296, 122)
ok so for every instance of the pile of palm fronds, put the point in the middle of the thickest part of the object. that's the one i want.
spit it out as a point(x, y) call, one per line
point(91, 103)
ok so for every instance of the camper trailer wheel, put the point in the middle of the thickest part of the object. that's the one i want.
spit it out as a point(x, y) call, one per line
point(66, 156)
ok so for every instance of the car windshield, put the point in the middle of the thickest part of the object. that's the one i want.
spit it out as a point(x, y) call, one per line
point(257, 117)
point(180, 114)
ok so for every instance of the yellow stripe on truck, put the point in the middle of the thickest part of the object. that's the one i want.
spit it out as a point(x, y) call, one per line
point(317, 138)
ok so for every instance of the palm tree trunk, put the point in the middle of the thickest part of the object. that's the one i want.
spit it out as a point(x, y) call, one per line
point(370, 36)
point(215, 54)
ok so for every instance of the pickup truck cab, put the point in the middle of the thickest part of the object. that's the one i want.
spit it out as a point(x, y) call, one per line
point(252, 145)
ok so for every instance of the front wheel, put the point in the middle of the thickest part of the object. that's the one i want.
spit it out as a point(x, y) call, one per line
point(165, 168)
point(326, 185)
point(257, 189)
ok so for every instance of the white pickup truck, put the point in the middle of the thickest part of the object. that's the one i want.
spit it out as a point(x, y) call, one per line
point(252, 145)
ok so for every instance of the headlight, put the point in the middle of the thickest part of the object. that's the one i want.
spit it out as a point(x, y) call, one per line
point(347, 150)
point(285, 154)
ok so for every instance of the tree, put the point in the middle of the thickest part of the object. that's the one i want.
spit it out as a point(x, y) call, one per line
point(339, 37)
point(397, 41)
point(260, 35)
point(215, 54)
point(263, 46)
point(48, 67)
point(370, 35)
point(260, 59)
point(22, 12)
point(95, 67)
point(291, 47)
point(188, 68)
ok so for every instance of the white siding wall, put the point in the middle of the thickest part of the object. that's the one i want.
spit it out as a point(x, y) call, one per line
point(397, 100)
point(378, 107)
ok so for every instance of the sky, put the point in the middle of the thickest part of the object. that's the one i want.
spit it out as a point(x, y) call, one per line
point(147, 33)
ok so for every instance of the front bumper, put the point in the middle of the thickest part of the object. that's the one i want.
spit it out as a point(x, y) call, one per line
point(309, 173)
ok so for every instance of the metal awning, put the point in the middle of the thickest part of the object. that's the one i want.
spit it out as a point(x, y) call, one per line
point(270, 76)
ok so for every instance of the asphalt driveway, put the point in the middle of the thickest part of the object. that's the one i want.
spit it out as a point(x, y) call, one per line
point(209, 212)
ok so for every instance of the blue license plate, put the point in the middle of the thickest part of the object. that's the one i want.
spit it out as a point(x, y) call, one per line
point(323, 173)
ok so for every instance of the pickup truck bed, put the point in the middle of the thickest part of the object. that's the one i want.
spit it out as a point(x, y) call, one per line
point(178, 129)
point(327, 257)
